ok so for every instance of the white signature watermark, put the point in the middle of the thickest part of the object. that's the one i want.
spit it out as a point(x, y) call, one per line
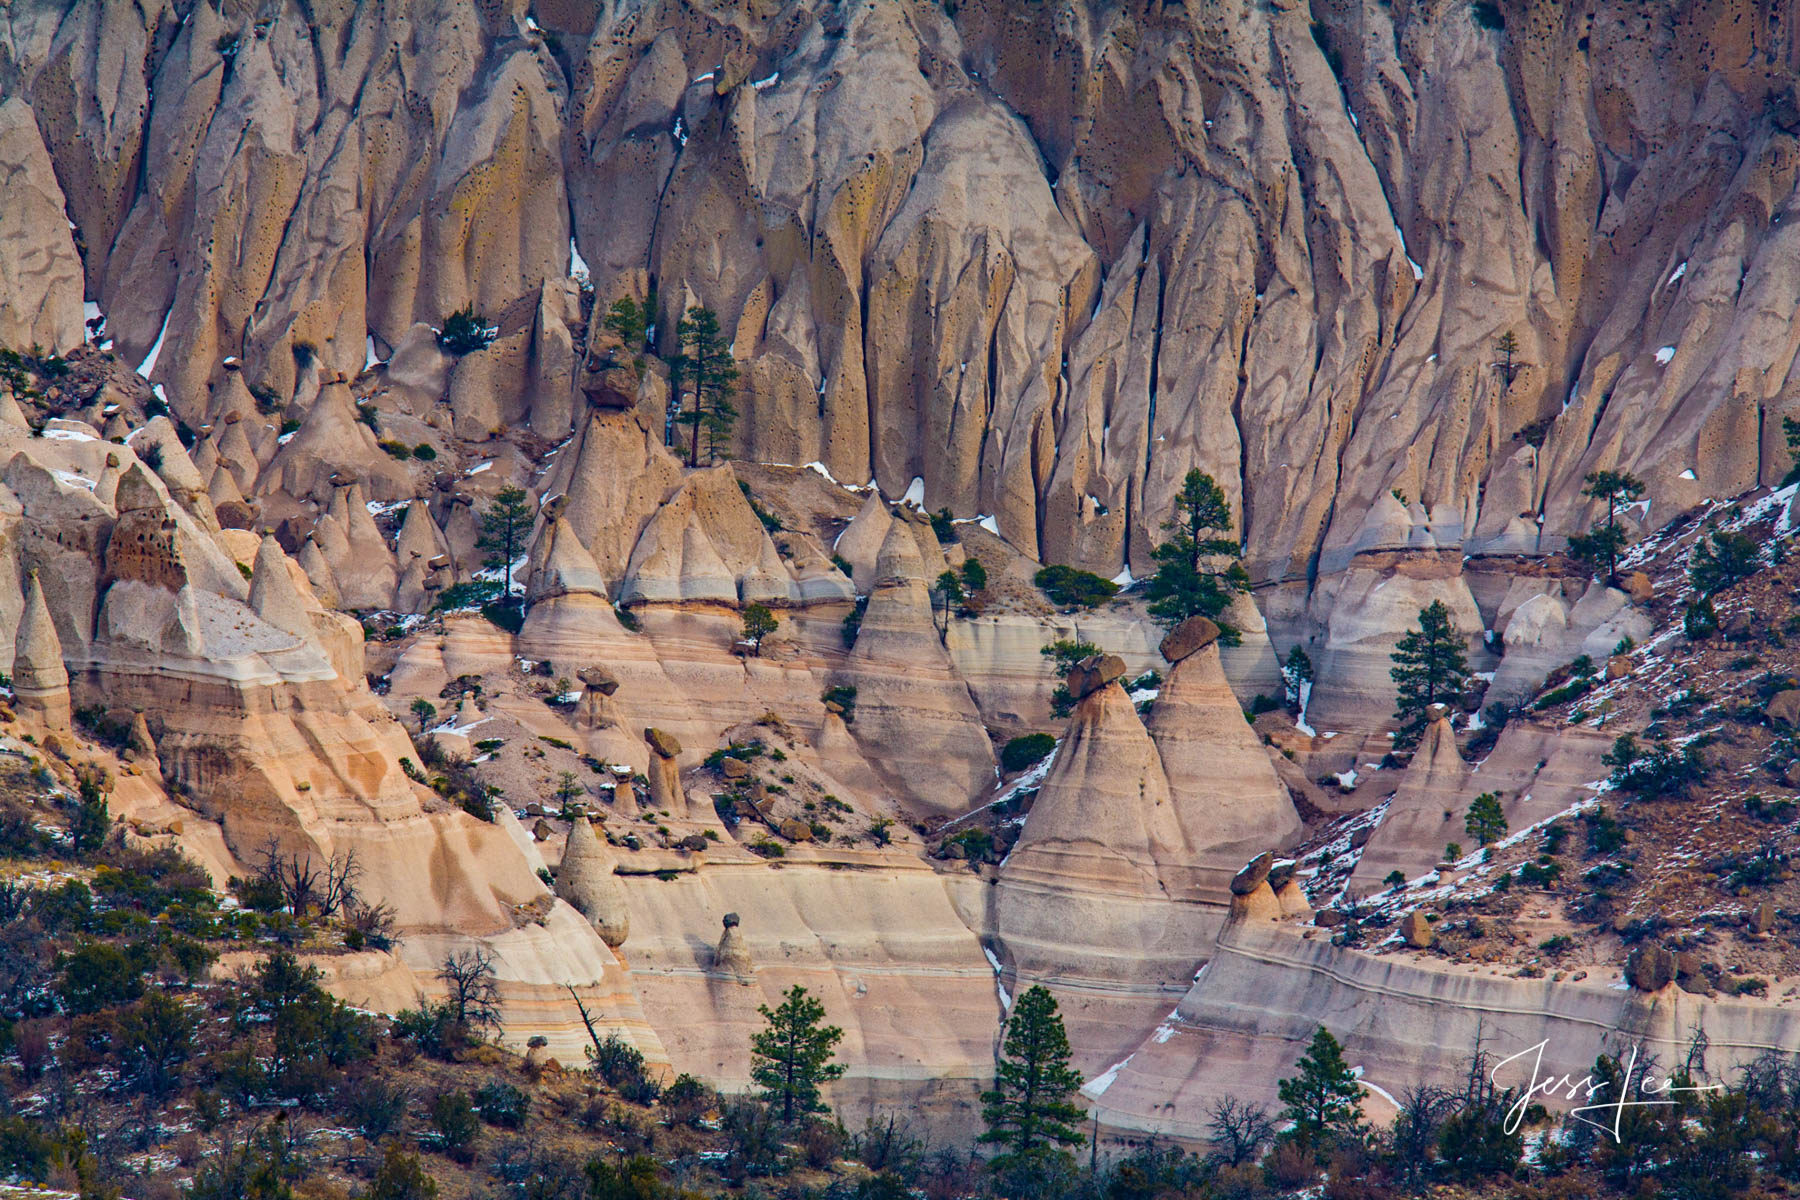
point(1651, 1092)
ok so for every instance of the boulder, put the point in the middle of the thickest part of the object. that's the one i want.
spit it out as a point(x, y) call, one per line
point(1784, 708)
point(1095, 672)
point(1417, 931)
point(1738, 626)
point(734, 768)
point(1255, 872)
point(664, 743)
point(1189, 637)
point(1762, 918)
point(1618, 667)
point(1650, 968)
point(598, 679)
point(1329, 918)
point(1637, 585)
point(795, 830)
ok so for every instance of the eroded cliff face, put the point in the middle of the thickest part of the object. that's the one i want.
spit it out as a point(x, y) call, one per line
point(1045, 258)
point(1028, 263)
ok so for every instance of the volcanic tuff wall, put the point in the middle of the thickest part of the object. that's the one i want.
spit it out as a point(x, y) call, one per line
point(1043, 257)
point(1048, 256)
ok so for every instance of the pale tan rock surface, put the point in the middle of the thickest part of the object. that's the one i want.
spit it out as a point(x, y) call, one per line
point(1425, 814)
point(40, 272)
point(585, 879)
point(39, 679)
point(918, 723)
point(1228, 800)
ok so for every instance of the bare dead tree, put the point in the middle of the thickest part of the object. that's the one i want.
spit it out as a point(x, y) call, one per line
point(338, 891)
point(586, 1019)
point(293, 874)
point(1240, 1130)
point(474, 997)
point(307, 886)
point(375, 922)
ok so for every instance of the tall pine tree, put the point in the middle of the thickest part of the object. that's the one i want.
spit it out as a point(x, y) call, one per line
point(1601, 545)
point(1190, 580)
point(1430, 667)
point(705, 362)
point(504, 528)
point(1030, 1111)
point(1324, 1100)
point(792, 1056)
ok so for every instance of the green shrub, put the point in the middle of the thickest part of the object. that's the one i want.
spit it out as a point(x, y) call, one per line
point(465, 332)
point(453, 1117)
point(1022, 752)
point(844, 696)
point(502, 1104)
point(425, 452)
point(508, 614)
point(1070, 588)
point(1722, 560)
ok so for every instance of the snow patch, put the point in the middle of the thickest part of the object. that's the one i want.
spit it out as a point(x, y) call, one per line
point(1300, 721)
point(149, 363)
point(370, 358)
point(1665, 354)
point(1689, 474)
point(1679, 272)
point(764, 84)
point(1096, 1087)
point(1124, 578)
point(478, 468)
point(915, 492)
point(578, 268)
point(989, 524)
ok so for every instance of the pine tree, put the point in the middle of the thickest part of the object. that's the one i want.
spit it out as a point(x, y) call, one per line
point(759, 623)
point(1030, 1111)
point(1508, 345)
point(504, 528)
point(1485, 821)
point(948, 592)
point(93, 820)
point(1296, 673)
point(792, 1056)
point(1324, 1100)
point(1430, 667)
point(1601, 545)
point(631, 322)
point(707, 364)
point(1188, 582)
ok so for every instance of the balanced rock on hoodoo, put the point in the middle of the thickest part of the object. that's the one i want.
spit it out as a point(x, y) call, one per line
point(599, 679)
point(1095, 672)
point(664, 774)
point(586, 880)
point(1190, 637)
point(1255, 871)
point(732, 957)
